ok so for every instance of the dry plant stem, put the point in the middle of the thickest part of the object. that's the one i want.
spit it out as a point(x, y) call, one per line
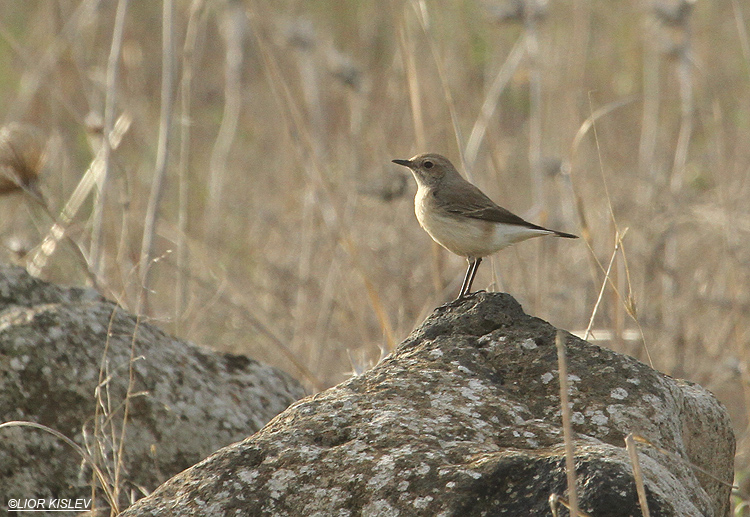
point(491, 100)
point(415, 100)
point(280, 344)
point(232, 29)
point(535, 111)
point(110, 103)
point(412, 79)
point(579, 46)
point(162, 155)
point(77, 249)
point(637, 474)
point(618, 235)
point(105, 412)
point(650, 117)
point(629, 304)
point(234, 298)
point(580, 210)
point(744, 439)
point(186, 86)
point(590, 122)
point(126, 410)
point(567, 171)
point(88, 459)
point(523, 266)
point(615, 306)
point(372, 294)
point(538, 265)
point(39, 259)
point(102, 384)
point(304, 149)
point(309, 81)
point(34, 78)
point(685, 80)
point(570, 462)
point(742, 33)
point(601, 167)
point(421, 12)
point(420, 9)
point(670, 284)
point(604, 285)
point(640, 439)
point(554, 503)
point(326, 301)
point(123, 258)
point(300, 308)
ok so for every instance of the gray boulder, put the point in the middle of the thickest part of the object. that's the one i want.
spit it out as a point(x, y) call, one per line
point(463, 418)
point(186, 401)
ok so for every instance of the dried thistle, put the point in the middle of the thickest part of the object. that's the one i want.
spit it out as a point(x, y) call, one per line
point(22, 156)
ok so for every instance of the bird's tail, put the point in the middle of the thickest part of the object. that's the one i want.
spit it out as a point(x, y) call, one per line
point(565, 235)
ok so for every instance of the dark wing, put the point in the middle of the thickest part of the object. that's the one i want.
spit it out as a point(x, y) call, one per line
point(466, 200)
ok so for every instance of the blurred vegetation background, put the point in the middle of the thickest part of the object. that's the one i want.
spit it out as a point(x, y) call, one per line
point(246, 200)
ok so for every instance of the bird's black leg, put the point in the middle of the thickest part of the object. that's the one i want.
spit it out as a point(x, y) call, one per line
point(477, 261)
point(470, 274)
point(466, 279)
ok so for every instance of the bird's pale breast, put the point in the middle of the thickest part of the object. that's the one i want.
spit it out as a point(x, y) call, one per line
point(467, 236)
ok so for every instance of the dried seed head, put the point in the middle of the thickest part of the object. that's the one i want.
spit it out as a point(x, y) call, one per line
point(22, 156)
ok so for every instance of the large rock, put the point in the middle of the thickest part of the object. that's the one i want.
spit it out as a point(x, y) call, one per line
point(189, 401)
point(464, 419)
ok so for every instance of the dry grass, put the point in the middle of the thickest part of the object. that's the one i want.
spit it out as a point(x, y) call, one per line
point(284, 232)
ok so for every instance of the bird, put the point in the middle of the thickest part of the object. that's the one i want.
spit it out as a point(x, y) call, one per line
point(461, 218)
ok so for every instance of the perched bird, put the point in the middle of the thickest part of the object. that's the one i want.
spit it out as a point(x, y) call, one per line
point(461, 218)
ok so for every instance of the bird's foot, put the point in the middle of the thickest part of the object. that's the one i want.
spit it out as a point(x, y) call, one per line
point(463, 296)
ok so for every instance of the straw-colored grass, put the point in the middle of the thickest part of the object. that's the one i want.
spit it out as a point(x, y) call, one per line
point(282, 230)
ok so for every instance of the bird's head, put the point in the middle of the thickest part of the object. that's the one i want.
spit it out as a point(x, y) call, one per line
point(429, 169)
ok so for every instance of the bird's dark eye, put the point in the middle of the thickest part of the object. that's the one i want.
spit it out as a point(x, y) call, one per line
point(428, 164)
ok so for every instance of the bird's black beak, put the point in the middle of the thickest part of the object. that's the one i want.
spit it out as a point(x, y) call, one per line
point(405, 163)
